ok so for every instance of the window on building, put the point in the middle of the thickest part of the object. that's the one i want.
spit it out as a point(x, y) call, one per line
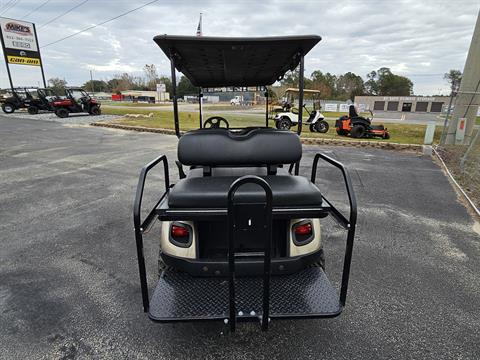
point(379, 105)
point(436, 107)
point(421, 106)
point(392, 106)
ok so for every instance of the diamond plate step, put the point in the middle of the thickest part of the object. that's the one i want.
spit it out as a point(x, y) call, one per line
point(181, 297)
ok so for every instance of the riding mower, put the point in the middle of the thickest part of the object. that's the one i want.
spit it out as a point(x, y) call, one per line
point(18, 100)
point(359, 127)
point(289, 116)
point(76, 101)
point(241, 234)
point(41, 99)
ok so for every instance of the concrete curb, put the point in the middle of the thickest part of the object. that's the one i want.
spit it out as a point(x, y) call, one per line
point(306, 141)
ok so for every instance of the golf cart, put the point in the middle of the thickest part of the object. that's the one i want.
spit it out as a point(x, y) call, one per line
point(288, 116)
point(240, 235)
point(76, 100)
point(17, 100)
point(358, 126)
point(41, 99)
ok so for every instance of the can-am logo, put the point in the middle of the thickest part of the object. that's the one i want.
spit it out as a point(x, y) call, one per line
point(18, 28)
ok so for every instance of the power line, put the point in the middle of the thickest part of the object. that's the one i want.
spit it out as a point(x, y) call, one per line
point(38, 7)
point(61, 15)
point(6, 5)
point(102, 23)
point(11, 7)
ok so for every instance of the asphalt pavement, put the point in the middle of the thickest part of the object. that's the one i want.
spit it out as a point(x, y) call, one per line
point(69, 281)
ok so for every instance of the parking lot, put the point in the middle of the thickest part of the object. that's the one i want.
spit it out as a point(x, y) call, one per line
point(68, 274)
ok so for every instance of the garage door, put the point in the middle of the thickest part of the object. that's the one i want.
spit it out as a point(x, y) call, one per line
point(392, 106)
point(379, 105)
point(436, 107)
point(421, 106)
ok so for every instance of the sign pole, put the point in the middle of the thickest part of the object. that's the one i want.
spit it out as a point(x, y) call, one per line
point(6, 59)
point(40, 57)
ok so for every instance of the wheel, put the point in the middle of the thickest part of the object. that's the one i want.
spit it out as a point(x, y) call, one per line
point(33, 110)
point(312, 129)
point(342, 132)
point(95, 111)
point(284, 123)
point(321, 126)
point(357, 131)
point(61, 113)
point(386, 136)
point(8, 108)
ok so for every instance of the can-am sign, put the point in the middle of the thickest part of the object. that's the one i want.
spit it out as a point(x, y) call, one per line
point(19, 42)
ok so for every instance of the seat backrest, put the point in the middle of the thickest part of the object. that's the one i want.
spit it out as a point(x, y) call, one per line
point(256, 147)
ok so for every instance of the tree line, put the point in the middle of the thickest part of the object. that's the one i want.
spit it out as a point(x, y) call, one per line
point(342, 87)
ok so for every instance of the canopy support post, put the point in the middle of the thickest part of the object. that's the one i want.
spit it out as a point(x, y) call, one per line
point(266, 107)
point(174, 91)
point(300, 95)
point(200, 105)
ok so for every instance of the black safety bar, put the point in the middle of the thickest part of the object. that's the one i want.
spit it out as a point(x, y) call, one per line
point(348, 224)
point(249, 179)
point(140, 227)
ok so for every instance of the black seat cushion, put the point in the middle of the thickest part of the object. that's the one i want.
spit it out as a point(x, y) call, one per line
point(211, 192)
point(221, 147)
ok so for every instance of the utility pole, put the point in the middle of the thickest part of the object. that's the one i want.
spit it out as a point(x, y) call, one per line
point(468, 97)
point(91, 82)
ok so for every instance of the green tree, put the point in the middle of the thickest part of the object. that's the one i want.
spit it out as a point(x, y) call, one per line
point(384, 82)
point(453, 77)
point(96, 86)
point(349, 85)
point(185, 87)
point(58, 85)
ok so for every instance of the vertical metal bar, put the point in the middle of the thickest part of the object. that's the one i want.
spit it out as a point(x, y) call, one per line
point(6, 60)
point(267, 261)
point(266, 107)
point(300, 95)
point(200, 103)
point(40, 56)
point(231, 262)
point(174, 91)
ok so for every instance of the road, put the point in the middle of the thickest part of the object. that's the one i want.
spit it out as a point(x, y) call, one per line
point(68, 274)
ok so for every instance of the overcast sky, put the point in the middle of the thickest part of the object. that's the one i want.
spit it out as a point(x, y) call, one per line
point(416, 38)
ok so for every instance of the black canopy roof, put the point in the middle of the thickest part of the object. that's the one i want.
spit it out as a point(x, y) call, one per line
point(226, 61)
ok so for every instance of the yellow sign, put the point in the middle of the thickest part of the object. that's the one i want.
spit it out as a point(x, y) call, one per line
point(20, 60)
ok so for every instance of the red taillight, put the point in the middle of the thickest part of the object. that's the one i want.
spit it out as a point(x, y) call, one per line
point(303, 229)
point(179, 231)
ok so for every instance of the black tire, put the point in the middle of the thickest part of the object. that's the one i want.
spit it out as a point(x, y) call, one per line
point(320, 263)
point(342, 132)
point(95, 111)
point(312, 129)
point(358, 131)
point(321, 126)
point(386, 136)
point(33, 110)
point(284, 123)
point(8, 108)
point(62, 113)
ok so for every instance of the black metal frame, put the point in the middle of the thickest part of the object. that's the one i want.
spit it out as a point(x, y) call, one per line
point(164, 213)
point(232, 227)
point(173, 56)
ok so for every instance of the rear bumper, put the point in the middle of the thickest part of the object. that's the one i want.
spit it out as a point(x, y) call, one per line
point(243, 267)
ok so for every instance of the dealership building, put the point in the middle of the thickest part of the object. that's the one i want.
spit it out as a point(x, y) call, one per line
point(417, 104)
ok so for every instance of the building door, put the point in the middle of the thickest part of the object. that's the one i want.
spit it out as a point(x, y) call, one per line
point(407, 107)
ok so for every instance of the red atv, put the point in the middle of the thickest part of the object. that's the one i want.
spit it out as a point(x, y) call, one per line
point(76, 101)
point(359, 127)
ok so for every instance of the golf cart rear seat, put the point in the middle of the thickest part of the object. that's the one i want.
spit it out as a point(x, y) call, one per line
point(259, 151)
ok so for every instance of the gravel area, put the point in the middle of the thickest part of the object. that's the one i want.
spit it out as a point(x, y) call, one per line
point(76, 119)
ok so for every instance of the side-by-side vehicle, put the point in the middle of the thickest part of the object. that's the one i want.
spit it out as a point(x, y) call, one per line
point(76, 100)
point(241, 234)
